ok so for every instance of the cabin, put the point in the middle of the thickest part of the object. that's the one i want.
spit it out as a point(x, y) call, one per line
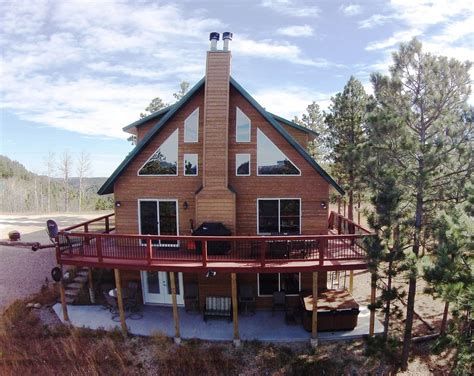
point(220, 208)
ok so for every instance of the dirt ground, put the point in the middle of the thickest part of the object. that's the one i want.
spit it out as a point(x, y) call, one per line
point(22, 271)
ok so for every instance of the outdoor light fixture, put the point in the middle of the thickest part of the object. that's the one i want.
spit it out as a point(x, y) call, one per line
point(323, 205)
point(185, 205)
point(211, 273)
point(118, 204)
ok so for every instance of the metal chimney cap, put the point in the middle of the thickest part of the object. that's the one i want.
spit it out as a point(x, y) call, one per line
point(214, 36)
point(227, 35)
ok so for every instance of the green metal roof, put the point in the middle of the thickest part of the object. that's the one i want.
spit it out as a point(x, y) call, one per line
point(152, 116)
point(169, 112)
point(293, 124)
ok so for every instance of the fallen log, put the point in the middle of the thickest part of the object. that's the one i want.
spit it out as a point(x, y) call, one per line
point(425, 338)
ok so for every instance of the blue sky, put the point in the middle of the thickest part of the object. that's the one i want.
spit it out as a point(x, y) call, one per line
point(74, 73)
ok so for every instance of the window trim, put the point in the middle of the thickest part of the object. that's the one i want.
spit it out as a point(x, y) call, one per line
point(237, 109)
point(161, 175)
point(279, 284)
point(184, 164)
point(279, 220)
point(197, 130)
point(277, 175)
point(250, 166)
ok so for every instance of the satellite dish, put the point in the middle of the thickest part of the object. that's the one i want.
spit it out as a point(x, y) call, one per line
point(56, 274)
point(52, 229)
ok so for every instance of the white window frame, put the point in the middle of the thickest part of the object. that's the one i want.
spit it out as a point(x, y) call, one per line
point(237, 109)
point(197, 164)
point(161, 175)
point(273, 175)
point(279, 284)
point(276, 199)
point(236, 166)
point(185, 139)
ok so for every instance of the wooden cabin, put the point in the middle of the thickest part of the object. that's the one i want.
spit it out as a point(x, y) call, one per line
point(220, 194)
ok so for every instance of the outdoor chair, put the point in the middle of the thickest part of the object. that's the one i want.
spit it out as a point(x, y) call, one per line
point(191, 297)
point(247, 298)
point(278, 301)
point(112, 306)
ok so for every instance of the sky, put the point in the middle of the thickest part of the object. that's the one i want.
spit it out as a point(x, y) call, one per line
point(74, 73)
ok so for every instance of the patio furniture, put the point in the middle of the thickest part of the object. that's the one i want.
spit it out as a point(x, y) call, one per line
point(337, 310)
point(278, 301)
point(218, 306)
point(246, 299)
point(191, 297)
point(111, 304)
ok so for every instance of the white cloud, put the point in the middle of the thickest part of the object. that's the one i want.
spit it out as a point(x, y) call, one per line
point(373, 21)
point(290, 101)
point(291, 8)
point(296, 31)
point(396, 38)
point(351, 9)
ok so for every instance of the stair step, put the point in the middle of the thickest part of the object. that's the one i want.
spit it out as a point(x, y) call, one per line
point(74, 285)
point(71, 292)
point(69, 300)
point(82, 273)
point(80, 279)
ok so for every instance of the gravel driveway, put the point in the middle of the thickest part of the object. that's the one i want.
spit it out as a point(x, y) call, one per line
point(22, 271)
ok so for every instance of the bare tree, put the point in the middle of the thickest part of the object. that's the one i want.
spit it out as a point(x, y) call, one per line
point(50, 166)
point(65, 166)
point(83, 168)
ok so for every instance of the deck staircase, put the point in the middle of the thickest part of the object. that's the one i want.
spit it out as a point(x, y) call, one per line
point(72, 288)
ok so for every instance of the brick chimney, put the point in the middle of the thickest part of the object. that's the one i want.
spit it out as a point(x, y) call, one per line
point(215, 202)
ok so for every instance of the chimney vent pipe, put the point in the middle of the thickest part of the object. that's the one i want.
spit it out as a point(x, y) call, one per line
point(227, 37)
point(214, 37)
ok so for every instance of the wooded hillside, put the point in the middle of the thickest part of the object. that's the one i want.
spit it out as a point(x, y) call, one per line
point(24, 191)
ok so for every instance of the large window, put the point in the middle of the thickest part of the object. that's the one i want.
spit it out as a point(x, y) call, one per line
point(191, 127)
point(290, 283)
point(190, 164)
point(271, 160)
point(279, 216)
point(242, 126)
point(242, 164)
point(164, 160)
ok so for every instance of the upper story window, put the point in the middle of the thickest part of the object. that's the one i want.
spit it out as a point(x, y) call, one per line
point(279, 216)
point(190, 164)
point(191, 127)
point(271, 160)
point(164, 160)
point(242, 164)
point(242, 126)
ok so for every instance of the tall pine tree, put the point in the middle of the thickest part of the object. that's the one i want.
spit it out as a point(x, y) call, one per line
point(346, 135)
point(419, 135)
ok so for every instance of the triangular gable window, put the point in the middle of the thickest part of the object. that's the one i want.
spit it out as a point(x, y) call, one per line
point(271, 160)
point(164, 160)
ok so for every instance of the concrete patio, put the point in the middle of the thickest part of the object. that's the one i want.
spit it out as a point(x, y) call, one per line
point(262, 326)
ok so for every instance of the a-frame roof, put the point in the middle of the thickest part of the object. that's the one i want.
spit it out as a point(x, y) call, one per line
point(168, 113)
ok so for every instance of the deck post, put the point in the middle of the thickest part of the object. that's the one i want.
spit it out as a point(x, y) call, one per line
point(107, 225)
point(177, 337)
point(373, 285)
point(351, 281)
point(62, 294)
point(98, 245)
point(91, 286)
point(149, 250)
point(314, 321)
point(235, 309)
point(118, 285)
point(323, 246)
point(204, 253)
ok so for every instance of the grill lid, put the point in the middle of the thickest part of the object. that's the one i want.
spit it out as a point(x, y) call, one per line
point(212, 229)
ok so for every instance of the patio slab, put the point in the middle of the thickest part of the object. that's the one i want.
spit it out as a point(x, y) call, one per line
point(262, 326)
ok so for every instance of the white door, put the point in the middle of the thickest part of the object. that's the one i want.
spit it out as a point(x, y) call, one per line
point(157, 287)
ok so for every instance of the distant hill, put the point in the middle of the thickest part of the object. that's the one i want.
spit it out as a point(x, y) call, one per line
point(22, 190)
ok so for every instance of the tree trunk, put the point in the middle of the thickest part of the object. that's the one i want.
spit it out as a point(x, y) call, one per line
point(444, 322)
point(386, 320)
point(350, 207)
point(412, 278)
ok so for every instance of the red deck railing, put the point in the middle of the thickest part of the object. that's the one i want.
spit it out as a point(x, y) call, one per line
point(100, 248)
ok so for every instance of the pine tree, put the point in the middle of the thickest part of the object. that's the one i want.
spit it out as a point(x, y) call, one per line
point(419, 134)
point(346, 135)
point(314, 119)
